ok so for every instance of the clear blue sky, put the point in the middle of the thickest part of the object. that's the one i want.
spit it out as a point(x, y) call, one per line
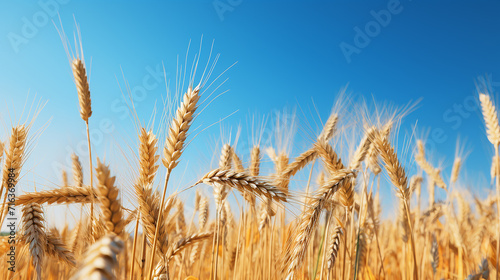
point(288, 53)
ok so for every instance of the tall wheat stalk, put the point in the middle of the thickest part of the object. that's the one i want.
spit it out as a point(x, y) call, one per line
point(174, 146)
point(83, 89)
point(490, 115)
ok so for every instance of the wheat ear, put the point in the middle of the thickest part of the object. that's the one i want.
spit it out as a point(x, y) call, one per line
point(65, 195)
point(185, 242)
point(329, 128)
point(330, 159)
point(243, 183)
point(77, 171)
point(64, 178)
point(434, 254)
point(55, 247)
point(101, 259)
point(82, 86)
point(362, 150)
point(179, 127)
point(333, 247)
point(221, 190)
point(108, 197)
point(150, 210)
point(238, 164)
point(427, 167)
point(456, 169)
point(147, 157)
point(300, 162)
point(490, 119)
point(34, 234)
point(254, 170)
point(14, 158)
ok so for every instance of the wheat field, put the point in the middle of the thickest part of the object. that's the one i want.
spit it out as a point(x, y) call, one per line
point(331, 227)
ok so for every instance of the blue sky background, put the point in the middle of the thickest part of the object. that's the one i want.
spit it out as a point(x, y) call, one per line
point(288, 55)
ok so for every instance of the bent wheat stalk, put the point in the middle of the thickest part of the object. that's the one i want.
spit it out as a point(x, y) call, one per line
point(398, 177)
point(308, 221)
